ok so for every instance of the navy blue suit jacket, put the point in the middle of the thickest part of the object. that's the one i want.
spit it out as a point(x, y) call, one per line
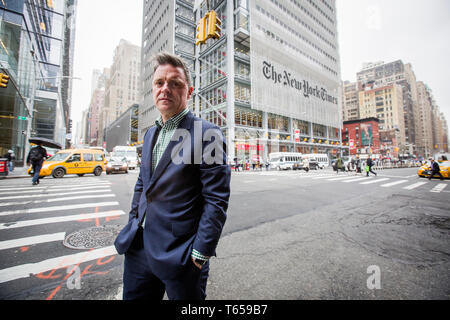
point(185, 203)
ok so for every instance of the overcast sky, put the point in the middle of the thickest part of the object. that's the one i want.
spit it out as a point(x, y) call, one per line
point(415, 31)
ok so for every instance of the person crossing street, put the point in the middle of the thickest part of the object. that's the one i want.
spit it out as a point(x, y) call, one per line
point(36, 157)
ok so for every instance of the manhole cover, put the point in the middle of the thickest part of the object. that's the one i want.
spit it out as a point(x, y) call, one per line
point(92, 238)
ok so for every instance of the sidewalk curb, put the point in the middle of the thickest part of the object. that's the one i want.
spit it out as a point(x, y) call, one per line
point(15, 177)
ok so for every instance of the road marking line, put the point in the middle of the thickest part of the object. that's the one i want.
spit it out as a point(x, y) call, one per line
point(58, 186)
point(324, 177)
point(53, 189)
point(354, 180)
point(83, 216)
point(109, 195)
point(374, 181)
point(57, 208)
point(415, 185)
point(393, 183)
point(439, 188)
point(32, 240)
point(343, 178)
point(26, 270)
point(100, 189)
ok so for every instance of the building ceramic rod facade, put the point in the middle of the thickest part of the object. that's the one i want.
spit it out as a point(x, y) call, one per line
point(270, 82)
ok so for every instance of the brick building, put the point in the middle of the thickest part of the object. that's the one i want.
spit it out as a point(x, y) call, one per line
point(362, 136)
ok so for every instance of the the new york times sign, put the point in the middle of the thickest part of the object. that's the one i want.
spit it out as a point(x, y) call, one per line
point(285, 78)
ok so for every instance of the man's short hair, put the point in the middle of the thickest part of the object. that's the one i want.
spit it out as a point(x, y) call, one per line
point(164, 58)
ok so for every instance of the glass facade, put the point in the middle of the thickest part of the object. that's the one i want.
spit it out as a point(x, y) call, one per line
point(31, 44)
point(17, 62)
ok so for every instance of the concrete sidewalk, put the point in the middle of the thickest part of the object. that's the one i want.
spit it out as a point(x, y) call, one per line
point(18, 172)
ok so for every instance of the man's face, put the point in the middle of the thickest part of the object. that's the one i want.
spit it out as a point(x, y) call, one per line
point(170, 90)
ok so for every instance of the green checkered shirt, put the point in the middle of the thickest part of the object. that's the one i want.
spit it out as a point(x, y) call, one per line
point(167, 130)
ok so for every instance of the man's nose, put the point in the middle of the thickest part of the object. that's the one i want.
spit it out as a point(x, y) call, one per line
point(165, 87)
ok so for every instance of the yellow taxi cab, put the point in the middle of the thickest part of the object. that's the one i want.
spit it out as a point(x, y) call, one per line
point(444, 166)
point(73, 161)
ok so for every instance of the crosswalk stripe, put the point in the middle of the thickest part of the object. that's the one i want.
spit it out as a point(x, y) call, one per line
point(32, 240)
point(324, 177)
point(83, 216)
point(343, 178)
point(53, 189)
point(57, 208)
point(89, 196)
point(415, 185)
point(26, 270)
point(57, 186)
point(438, 188)
point(100, 189)
point(393, 183)
point(374, 181)
point(355, 180)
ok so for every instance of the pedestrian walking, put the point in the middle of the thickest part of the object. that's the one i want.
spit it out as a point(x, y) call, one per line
point(369, 165)
point(435, 169)
point(36, 157)
point(339, 165)
point(11, 157)
point(179, 207)
point(358, 164)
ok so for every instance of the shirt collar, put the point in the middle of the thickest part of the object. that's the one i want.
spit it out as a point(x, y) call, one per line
point(174, 121)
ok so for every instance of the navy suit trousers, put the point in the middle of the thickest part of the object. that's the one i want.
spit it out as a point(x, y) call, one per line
point(140, 283)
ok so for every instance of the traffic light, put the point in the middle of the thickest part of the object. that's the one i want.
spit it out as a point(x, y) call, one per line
point(201, 31)
point(4, 78)
point(214, 24)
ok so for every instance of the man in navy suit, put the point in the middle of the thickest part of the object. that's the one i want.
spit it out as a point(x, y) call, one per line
point(180, 199)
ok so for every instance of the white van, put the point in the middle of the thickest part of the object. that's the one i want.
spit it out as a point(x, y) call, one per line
point(128, 152)
point(284, 160)
point(322, 158)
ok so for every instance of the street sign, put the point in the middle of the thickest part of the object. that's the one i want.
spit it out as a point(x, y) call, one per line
point(21, 118)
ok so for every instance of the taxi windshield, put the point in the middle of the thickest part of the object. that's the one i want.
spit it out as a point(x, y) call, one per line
point(58, 157)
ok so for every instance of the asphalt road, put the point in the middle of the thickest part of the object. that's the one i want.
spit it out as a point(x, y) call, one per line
point(288, 235)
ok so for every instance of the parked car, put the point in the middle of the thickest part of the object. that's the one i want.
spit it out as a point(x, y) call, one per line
point(117, 164)
point(73, 161)
point(425, 170)
point(313, 164)
point(299, 165)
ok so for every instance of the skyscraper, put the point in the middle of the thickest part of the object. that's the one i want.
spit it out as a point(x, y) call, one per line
point(122, 85)
point(168, 25)
point(270, 82)
point(36, 52)
point(381, 74)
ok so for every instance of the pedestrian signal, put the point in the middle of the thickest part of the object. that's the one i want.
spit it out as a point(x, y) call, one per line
point(201, 31)
point(4, 78)
point(214, 24)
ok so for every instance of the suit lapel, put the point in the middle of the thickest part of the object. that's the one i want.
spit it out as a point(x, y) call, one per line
point(166, 157)
point(149, 143)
